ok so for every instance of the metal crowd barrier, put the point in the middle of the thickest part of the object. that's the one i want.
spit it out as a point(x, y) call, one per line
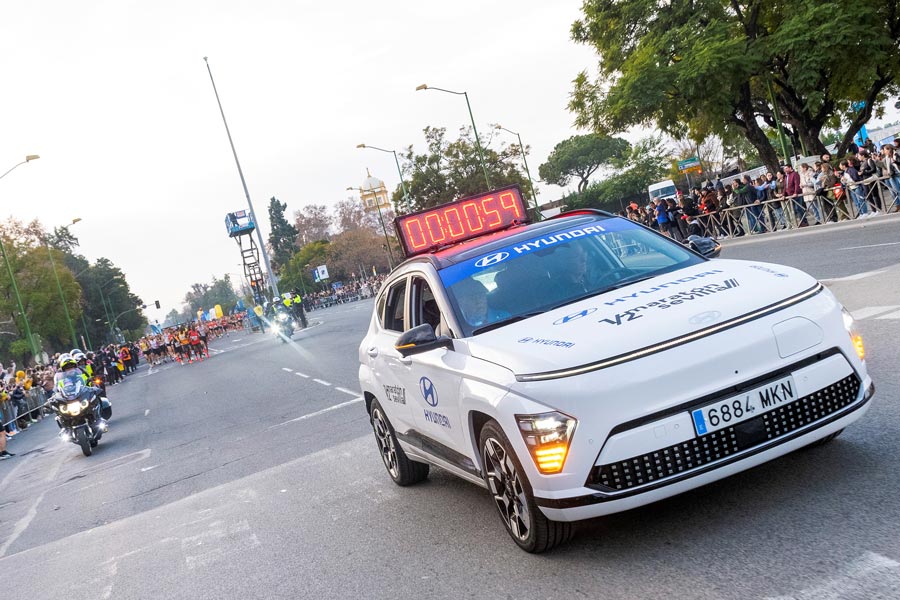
point(881, 194)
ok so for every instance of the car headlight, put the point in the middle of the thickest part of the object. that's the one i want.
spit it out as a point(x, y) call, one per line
point(547, 436)
point(855, 335)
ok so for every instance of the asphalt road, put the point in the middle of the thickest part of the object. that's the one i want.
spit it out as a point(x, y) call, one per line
point(254, 475)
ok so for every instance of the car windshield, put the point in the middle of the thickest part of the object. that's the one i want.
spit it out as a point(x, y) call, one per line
point(557, 268)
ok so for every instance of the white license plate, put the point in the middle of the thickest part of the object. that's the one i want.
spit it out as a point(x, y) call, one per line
point(747, 405)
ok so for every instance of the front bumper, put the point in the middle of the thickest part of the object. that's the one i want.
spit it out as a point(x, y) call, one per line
point(636, 479)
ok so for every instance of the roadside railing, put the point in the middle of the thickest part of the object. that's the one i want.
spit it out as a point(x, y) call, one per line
point(838, 203)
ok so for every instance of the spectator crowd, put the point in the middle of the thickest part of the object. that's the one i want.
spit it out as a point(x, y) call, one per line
point(817, 192)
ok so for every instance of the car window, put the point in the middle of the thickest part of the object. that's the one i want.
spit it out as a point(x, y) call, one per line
point(379, 308)
point(394, 310)
point(425, 307)
point(558, 268)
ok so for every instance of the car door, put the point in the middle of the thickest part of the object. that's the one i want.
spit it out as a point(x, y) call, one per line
point(433, 378)
point(386, 363)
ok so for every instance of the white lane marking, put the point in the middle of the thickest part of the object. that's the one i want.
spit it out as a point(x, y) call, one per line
point(346, 391)
point(319, 412)
point(216, 351)
point(302, 375)
point(146, 412)
point(851, 581)
point(218, 542)
point(855, 277)
point(286, 369)
point(21, 525)
point(322, 382)
point(870, 246)
point(145, 469)
point(893, 315)
point(867, 312)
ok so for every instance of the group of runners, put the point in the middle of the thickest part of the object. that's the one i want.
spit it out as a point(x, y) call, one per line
point(184, 343)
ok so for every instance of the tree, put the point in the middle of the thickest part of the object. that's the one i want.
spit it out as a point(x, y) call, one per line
point(580, 156)
point(350, 214)
point(695, 68)
point(282, 235)
point(298, 274)
point(451, 170)
point(312, 223)
point(646, 163)
point(205, 296)
point(355, 251)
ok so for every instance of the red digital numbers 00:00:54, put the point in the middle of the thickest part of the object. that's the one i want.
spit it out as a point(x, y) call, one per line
point(460, 220)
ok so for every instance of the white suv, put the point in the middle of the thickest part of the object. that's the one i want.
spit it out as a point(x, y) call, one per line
point(586, 365)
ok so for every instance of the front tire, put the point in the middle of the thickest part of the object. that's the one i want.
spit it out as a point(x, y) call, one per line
point(512, 493)
point(81, 437)
point(401, 469)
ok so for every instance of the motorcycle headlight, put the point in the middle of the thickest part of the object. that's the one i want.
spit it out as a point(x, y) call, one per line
point(73, 408)
point(282, 317)
point(855, 335)
point(547, 436)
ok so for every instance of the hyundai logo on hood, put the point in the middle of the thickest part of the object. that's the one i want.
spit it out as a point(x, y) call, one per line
point(705, 318)
point(491, 259)
point(575, 316)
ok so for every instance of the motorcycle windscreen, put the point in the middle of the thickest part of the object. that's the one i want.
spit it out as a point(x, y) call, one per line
point(71, 385)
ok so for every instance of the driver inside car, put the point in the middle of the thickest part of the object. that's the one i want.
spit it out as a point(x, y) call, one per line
point(473, 303)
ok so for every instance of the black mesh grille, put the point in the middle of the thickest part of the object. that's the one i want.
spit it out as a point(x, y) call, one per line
point(710, 447)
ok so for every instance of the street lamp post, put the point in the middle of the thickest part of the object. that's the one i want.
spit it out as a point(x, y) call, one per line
point(59, 286)
point(399, 171)
point(28, 158)
point(537, 212)
point(34, 349)
point(108, 313)
point(425, 86)
point(387, 241)
point(262, 243)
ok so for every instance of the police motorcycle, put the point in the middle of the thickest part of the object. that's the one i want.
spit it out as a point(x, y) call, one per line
point(283, 322)
point(81, 411)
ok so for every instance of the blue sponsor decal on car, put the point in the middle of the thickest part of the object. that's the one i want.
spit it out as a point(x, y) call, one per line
point(466, 269)
point(426, 386)
point(437, 418)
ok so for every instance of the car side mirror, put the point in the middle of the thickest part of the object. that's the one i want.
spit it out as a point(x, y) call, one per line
point(421, 339)
point(708, 247)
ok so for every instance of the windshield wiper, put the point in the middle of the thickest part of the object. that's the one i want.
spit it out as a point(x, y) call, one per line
point(625, 282)
point(508, 321)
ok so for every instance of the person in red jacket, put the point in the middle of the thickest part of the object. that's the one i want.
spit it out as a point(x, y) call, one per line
point(196, 345)
point(794, 193)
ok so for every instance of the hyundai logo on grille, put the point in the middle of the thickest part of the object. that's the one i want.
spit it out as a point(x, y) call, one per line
point(428, 392)
point(492, 259)
point(575, 316)
point(705, 318)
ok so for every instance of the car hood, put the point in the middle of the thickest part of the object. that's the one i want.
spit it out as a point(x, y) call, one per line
point(639, 316)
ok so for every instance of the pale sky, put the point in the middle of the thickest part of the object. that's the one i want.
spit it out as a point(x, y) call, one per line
point(115, 97)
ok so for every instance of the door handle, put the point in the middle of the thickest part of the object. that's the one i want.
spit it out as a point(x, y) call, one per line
point(372, 352)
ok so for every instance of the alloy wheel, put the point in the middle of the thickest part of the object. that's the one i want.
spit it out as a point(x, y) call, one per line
point(506, 487)
point(385, 441)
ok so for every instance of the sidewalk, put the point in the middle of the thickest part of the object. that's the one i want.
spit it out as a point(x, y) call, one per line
point(882, 220)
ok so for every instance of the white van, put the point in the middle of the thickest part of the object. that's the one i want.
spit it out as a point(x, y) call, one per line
point(662, 189)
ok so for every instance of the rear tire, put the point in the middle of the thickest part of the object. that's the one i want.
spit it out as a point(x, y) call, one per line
point(81, 437)
point(401, 469)
point(512, 494)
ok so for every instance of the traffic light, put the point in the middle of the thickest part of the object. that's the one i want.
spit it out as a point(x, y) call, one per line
point(157, 304)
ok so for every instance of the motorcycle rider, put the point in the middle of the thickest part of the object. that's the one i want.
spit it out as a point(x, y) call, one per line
point(68, 367)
